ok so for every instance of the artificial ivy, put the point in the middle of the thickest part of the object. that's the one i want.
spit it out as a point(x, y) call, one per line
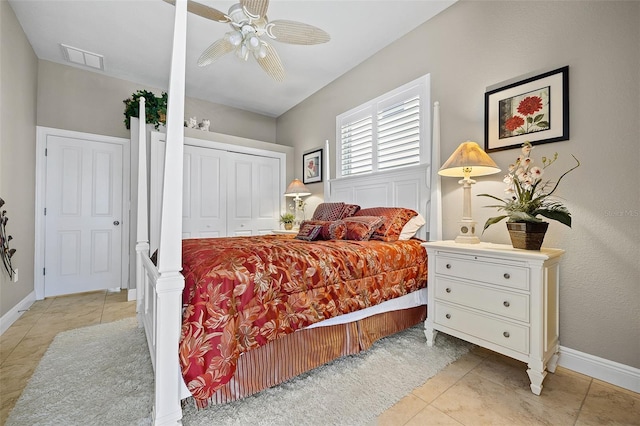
point(155, 108)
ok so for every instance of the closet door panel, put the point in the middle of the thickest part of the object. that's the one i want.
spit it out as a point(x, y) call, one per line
point(253, 198)
point(204, 196)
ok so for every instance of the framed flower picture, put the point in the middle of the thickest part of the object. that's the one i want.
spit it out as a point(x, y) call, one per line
point(312, 167)
point(534, 109)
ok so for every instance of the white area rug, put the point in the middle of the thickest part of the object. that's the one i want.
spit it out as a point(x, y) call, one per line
point(101, 375)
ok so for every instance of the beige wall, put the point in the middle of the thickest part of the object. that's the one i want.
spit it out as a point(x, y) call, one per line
point(18, 80)
point(473, 45)
point(74, 99)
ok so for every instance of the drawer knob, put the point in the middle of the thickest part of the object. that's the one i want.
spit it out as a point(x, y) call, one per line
point(448, 316)
point(506, 303)
point(506, 276)
point(448, 290)
point(506, 334)
point(448, 266)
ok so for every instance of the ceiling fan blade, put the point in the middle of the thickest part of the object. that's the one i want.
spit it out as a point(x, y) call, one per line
point(215, 51)
point(204, 11)
point(256, 7)
point(271, 63)
point(296, 32)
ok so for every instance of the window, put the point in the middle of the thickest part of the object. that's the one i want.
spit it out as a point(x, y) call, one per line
point(388, 132)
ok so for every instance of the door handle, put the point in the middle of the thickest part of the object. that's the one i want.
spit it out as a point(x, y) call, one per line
point(116, 222)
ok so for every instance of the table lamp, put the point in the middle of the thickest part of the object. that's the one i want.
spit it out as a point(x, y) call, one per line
point(466, 161)
point(297, 189)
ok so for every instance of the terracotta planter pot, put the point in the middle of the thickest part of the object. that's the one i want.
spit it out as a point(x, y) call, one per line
point(527, 235)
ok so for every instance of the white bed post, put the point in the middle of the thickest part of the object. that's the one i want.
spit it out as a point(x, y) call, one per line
point(435, 213)
point(327, 170)
point(166, 409)
point(142, 237)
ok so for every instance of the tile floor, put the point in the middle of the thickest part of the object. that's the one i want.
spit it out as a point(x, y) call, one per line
point(481, 388)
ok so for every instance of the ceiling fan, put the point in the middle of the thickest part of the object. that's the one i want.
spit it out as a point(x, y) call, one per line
point(249, 23)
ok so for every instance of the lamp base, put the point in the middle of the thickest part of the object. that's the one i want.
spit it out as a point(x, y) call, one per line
point(467, 233)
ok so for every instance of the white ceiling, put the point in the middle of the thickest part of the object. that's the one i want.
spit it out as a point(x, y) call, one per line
point(135, 38)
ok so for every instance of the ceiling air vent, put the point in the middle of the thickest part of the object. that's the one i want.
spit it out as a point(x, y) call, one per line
point(82, 57)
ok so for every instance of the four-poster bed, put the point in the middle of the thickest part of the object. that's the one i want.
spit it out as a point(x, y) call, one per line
point(324, 332)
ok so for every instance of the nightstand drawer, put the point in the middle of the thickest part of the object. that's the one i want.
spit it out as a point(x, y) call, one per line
point(500, 302)
point(476, 268)
point(503, 333)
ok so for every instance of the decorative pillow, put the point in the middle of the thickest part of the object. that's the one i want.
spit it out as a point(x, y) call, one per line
point(360, 228)
point(411, 227)
point(308, 232)
point(349, 210)
point(328, 211)
point(331, 230)
point(394, 220)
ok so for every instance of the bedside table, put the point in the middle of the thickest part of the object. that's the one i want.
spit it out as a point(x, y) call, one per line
point(284, 231)
point(497, 297)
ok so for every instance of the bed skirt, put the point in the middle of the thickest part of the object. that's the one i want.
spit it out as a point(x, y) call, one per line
point(306, 349)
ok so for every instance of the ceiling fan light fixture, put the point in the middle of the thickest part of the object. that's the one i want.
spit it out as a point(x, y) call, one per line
point(248, 21)
point(234, 37)
point(253, 42)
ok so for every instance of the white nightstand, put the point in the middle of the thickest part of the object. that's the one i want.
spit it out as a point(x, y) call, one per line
point(498, 297)
point(284, 231)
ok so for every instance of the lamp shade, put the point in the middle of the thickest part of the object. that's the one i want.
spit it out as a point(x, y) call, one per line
point(296, 189)
point(470, 158)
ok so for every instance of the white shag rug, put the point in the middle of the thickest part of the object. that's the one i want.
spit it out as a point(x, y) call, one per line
point(102, 375)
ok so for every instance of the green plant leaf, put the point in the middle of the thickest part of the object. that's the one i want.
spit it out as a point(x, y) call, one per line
point(543, 124)
point(561, 216)
point(491, 221)
point(491, 196)
point(538, 118)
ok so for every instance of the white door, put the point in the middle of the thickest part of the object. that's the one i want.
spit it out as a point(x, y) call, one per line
point(253, 204)
point(84, 214)
point(204, 193)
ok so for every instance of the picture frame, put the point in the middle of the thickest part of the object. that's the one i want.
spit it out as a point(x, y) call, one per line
point(312, 166)
point(534, 109)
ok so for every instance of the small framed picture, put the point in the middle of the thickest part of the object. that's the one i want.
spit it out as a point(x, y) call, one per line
point(312, 167)
point(534, 109)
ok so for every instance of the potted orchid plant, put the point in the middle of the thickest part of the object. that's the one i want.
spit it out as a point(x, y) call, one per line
point(529, 197)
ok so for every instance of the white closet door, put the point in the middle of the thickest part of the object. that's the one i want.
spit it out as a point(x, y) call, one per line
point(204, 193)
point(253, 200)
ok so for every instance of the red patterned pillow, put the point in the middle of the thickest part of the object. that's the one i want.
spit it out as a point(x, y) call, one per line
point(331, 230)
point(394, 220)
point(328, 211)
point(360, 228)
point(349, 210)
point(308, 231)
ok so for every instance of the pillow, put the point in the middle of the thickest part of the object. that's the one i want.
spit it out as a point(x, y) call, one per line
point(308, 232)
point(349, 210)
point(328, 211)
point(394, 220)
point(411, 227)
point(360, 228)
point(331, 230)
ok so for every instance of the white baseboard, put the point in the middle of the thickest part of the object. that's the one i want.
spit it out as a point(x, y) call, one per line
point(131, 294)
point(599, 368)
point(12, 316)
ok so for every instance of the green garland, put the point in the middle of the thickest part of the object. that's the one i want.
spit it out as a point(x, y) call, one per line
point(155, 107)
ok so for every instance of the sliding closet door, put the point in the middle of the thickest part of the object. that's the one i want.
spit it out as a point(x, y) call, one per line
point(253, 199)
point(224, 193)
point(204, 193)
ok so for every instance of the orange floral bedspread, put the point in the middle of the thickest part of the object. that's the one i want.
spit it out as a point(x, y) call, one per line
point(242, 292)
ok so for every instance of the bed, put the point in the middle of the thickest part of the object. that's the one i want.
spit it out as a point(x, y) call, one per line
point(214, 310)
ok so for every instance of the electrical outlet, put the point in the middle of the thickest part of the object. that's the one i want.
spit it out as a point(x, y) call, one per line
point(15, 275)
